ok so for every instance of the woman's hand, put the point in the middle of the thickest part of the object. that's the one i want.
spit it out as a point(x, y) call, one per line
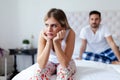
point(48, 40)
point(60, 35)
point(45, 36)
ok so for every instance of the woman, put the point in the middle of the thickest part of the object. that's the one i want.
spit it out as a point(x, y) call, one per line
point(55, 48)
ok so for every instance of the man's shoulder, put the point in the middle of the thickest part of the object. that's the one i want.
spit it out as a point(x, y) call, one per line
point(102, 26)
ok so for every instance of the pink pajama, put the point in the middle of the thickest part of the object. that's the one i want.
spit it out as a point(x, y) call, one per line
point(51, 68)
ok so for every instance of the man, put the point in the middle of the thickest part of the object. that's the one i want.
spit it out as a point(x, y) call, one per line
point(98, 38)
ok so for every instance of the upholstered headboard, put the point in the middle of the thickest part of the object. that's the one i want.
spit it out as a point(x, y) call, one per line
point(77, 20)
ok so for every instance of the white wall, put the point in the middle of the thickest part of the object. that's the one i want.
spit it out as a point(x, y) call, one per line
point(20, 19)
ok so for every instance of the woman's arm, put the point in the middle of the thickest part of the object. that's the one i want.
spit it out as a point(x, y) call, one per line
point(64, 57)
point(44, 47)
point(113, 46)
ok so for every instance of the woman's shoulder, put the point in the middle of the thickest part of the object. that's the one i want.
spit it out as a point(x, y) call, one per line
point(70, 31)
point(70, 37)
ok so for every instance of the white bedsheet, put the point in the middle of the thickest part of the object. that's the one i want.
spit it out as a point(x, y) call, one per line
point(89, 70)
point(86, 70)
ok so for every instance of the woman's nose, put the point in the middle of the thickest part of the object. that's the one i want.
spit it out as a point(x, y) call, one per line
point(49, 28)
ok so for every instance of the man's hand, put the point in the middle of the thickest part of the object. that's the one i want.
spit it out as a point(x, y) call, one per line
point(78, 58)
point(115, 62)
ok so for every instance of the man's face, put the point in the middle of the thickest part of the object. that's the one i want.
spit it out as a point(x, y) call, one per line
point(94, 20)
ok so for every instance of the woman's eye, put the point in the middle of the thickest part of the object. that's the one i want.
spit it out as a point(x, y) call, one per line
point(54, 25)
point(46, 25)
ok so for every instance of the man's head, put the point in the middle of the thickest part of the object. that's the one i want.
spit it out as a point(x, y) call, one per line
point(94, 19)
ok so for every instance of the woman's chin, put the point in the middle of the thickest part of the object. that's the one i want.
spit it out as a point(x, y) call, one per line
point(50, 37)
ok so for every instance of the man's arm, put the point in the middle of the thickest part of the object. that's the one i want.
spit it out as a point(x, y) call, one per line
point(82, 48)
point(113, 46)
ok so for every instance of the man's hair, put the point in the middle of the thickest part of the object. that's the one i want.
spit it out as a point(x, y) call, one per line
point(95, 12)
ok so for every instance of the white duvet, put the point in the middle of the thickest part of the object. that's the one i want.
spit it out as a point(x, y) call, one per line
point(86, 70)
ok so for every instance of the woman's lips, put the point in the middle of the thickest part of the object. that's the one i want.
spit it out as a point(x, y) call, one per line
point(49, 34)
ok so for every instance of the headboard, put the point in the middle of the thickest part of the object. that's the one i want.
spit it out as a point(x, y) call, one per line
point(77, 20)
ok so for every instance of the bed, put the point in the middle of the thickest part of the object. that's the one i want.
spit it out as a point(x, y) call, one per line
point(87, 70)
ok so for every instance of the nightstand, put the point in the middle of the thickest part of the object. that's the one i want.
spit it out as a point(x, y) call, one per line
point(16, 52)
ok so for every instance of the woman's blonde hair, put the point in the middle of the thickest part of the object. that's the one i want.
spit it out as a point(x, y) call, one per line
point(59, 15)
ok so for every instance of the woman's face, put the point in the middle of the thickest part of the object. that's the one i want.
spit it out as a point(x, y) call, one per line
point(52, 27)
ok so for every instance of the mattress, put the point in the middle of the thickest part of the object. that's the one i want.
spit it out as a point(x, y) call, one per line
point(86, 70)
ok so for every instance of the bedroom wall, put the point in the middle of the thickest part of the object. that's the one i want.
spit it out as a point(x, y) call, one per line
point(19, 19)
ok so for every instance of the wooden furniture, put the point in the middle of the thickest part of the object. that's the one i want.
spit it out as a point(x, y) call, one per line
point(16, 52)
